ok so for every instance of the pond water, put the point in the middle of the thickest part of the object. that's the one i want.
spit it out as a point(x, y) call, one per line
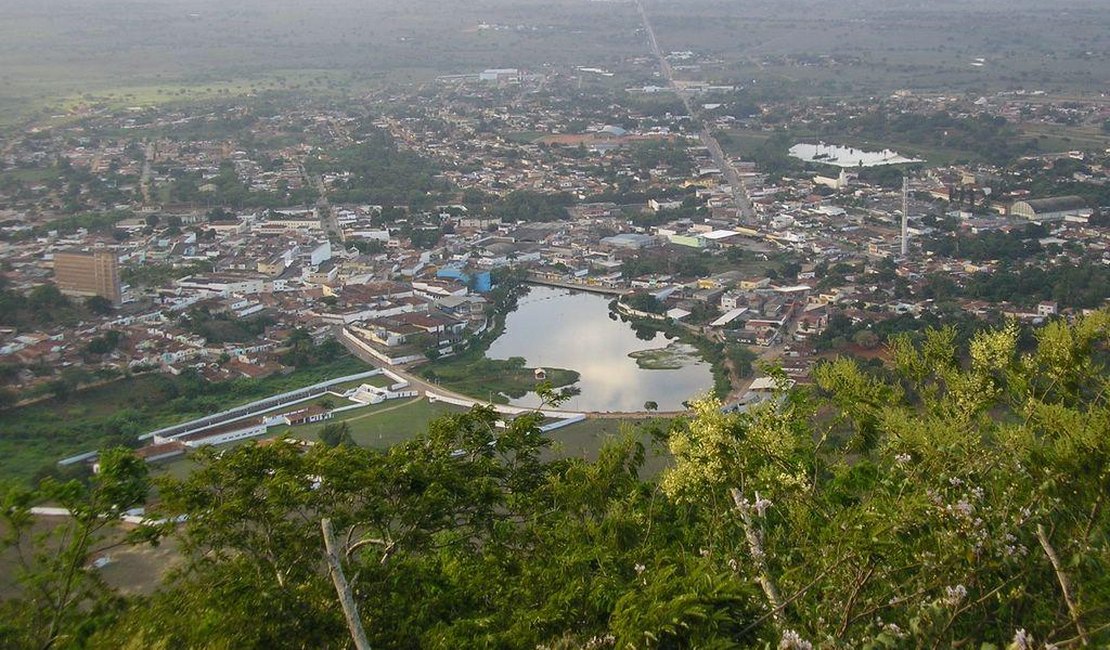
point(557, 328)
point(839, 156)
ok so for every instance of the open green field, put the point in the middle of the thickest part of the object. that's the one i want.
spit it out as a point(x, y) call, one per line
point(379, 426)
point(33, 438)
point(65, 53)
point(383, 425)
point(586, 439)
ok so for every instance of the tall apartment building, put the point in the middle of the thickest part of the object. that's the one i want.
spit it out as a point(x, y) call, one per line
point(94, 273)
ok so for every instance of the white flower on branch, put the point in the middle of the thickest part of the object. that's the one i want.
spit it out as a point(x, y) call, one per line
point(953, 596)
point(791, 640)
point(1022, 640)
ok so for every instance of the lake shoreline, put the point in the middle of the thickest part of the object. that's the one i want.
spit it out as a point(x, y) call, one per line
point(560, 328)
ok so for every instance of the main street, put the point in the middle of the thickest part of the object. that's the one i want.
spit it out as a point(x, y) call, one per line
point(740, 196)
point(144, 179)
point(328, 219)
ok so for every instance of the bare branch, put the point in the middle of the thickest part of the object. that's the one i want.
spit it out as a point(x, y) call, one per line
point(852, 600)
point(1065, 584)
point(754, 537)
point(346, 598)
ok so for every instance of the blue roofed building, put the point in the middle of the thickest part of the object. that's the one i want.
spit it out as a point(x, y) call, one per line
point(482, 282)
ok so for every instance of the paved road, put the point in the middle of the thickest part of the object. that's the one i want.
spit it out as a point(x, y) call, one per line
point(144, 180)
point(740, 196)
point(328, 221)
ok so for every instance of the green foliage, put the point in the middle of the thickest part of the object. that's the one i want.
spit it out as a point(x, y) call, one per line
point(227, 189)
point(963, 507)
point(1080, 286)
point(645, 302)
point(472, 373)
point(105, 343)
point(222, 327)
point(685, 263)
point(991, 138)
point(61, 594)
point(697, 609)
point(301, 352)
point(100, 222)
point(158, 275)
point(1013, 245)
point(98, 305)
point(42, 306)
point(367, 246)
point(525, 205)
point(381, 173)
point(336, 433)
point(649, 155)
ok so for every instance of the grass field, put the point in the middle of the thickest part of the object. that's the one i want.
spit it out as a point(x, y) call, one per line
point(379, 426)
point(33, 438)
point(586, 439)
point(383, 425)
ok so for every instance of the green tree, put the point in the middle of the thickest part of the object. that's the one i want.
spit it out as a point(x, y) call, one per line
point(99, 305)
point(336, 433)
point(61, 591)
point(952, 498)
point(866, 339)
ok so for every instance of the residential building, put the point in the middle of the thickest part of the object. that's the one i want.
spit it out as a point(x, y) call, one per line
point(94, 273)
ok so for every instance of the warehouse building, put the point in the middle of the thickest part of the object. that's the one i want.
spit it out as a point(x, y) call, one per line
point(1051, 209)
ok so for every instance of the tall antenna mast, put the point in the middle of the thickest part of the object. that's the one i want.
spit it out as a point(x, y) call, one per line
point(905, 215)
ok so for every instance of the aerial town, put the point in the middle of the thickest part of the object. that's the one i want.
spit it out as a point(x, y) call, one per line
point(197, 246)
point(567, 324)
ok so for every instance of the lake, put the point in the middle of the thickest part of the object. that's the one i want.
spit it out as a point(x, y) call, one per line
point(557, 328)
point(831, 154)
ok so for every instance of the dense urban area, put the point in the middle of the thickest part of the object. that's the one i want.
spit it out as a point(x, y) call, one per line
point(231, 315)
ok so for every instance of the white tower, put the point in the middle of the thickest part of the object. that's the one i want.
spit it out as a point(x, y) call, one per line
point(905, 215)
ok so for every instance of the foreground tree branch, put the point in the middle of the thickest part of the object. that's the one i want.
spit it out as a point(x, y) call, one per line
point(1065, 584)
point(754, 536)
point(346, 598)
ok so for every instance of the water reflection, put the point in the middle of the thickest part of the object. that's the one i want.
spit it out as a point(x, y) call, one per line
point(838, 156)
point(559, 329)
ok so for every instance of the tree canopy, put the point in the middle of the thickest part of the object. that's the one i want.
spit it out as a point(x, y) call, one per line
point(953, 498)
